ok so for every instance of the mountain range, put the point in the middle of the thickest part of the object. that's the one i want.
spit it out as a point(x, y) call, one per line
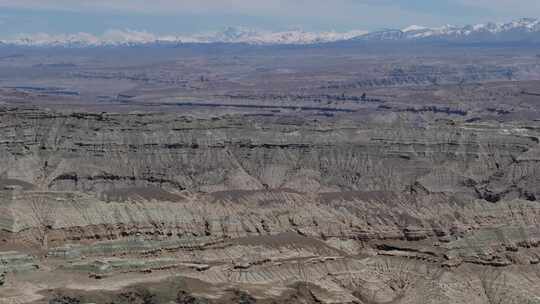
point(521, 30)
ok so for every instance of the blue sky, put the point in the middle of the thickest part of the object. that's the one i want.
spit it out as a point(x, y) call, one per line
point(189, 16)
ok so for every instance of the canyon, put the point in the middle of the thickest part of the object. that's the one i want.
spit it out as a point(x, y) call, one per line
point(235, 174)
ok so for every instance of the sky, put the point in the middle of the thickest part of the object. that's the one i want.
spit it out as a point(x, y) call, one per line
point(197, 16)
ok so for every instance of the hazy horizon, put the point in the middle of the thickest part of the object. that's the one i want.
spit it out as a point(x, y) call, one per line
point(188, 16)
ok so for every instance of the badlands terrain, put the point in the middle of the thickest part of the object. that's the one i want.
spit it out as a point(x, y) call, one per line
point(230, 173)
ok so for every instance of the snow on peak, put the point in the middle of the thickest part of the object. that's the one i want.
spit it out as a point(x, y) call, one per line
point(250, 36)
point(227, 35)
point(110, 37)
point(413, 28)
point(511, 29)
point(525, 28)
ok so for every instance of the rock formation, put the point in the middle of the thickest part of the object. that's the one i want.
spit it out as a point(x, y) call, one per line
point(360, 213)
point(286, 175)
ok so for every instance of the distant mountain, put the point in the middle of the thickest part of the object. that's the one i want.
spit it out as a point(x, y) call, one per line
point(228, 35)
point(241, 35)
point(522, 30)
point(526, 29)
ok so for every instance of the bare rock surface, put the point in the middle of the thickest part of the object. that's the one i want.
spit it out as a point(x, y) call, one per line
point(229, 209)
point(248, 175)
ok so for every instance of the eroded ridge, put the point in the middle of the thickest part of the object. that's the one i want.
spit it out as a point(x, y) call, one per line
point(130, 208)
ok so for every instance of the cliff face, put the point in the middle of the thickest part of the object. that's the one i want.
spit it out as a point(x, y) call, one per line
point(370, 217)
point(375, 246)
point(353, 211)
point(154, 153)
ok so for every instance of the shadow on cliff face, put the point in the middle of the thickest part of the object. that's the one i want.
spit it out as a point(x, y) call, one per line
point(148, 193)
point(15, 184)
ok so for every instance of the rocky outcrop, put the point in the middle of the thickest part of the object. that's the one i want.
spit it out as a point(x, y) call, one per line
point(157, 156)
point(224, 220)
point(12, 261)
point(356, 212)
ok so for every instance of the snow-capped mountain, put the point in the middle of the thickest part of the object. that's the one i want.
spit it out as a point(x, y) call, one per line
point(526, 29)
point(228, 35)
point(242, 35)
